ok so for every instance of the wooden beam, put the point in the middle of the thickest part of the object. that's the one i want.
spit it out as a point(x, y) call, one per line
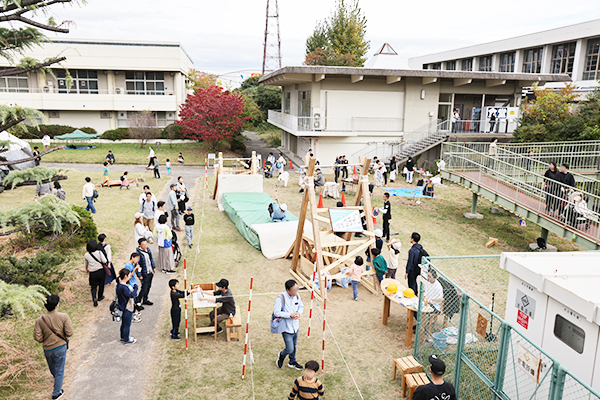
point(462, 81)
point(302, 219)
point(356, 78)
point(329, 254)
point(351, 254)
point(392, 79)
point(322, 219)
point(428, 80)
point(319, 77)
point(344, 243)
point(494, 82)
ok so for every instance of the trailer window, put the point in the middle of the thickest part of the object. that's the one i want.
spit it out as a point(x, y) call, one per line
point(569, 333)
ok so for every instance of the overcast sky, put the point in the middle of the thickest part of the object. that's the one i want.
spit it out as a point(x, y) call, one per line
point(227, 35)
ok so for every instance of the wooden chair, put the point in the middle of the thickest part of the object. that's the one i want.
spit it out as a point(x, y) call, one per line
point(233, 326)
point(413, 381)
point(407, 365)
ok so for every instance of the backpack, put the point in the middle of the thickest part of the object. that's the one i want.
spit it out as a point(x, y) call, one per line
point(423, 253)
point(541, 243)
point(115, 311)
point(95, 195)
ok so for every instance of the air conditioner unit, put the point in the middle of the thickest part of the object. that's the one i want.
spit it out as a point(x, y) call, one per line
point(105, 114)
point(318, 119)
point(119, 90)
point(46, 89)
point(53, 114)
point(50, 83)
point(122, 115)
point(170, 115)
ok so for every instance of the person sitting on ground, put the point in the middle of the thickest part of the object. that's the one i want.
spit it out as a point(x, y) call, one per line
point(434, 292)
point(307, 386)
point(221, 295)
point(279, 211)
point(437, 388)
point(320, 178)
point(180, 158)
point(428, 188)
point(124, 181)
point(110, 157)
point(58, 191)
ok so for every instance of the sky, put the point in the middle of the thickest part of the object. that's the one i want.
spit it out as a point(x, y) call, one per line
point(226, 36)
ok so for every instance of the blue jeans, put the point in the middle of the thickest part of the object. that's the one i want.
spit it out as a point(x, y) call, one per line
point(56, 363)
point(355, 289)
point(291, 341)
point(90, 205)
point(380, 278)
point(126, 325)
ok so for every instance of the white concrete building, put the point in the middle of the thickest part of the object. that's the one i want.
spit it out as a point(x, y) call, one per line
point(572, 50)
point(111, 81)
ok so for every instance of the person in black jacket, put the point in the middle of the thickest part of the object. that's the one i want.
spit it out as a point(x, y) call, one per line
point(393, 169)
point(437, 388)
point(176, 294)
point(550, 187)
point(125, 302)
point(410, 170)
point(566, 178)
point(148, 271)
point(386, 210)
point(414, 259)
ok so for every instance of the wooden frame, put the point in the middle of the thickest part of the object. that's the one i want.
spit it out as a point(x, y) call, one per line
point(330, 255)
point(221, 170)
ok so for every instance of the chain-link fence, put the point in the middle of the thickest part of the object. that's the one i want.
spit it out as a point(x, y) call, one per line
point(485, 357)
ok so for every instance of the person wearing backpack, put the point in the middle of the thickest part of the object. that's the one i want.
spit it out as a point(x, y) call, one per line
point(95, 262)
point(88, 194)
point(147, 208)
point(415, 254)
point(287, 311)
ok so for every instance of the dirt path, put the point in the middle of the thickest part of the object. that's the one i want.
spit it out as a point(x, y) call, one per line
point(102, 367)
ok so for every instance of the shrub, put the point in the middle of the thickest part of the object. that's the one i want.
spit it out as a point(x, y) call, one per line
point(73, 235)
point(116, 134)
point(44, 269)
point(50, 130)
point(172, 132)
point(236, 143)
point(16, 299)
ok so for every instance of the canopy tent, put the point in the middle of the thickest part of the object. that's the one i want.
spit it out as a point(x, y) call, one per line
point(17, 150)
point(77, 135)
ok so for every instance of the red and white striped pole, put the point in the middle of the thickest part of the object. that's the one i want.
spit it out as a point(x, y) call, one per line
point(324, 322)
point(205, 172)
point(312, 297)
point(186, 301)
point(247, 327)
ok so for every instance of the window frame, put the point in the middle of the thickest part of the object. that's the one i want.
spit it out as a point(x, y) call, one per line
point(565, 62)
point(533, 66)
point(84, 81)
point(144, 83)
point(509, 65)
point(451, 62)
point(486, 63)
point(466, 62)
point(593, 73)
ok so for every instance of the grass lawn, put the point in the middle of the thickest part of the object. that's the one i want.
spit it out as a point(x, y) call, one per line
point(212, 369)
point(114, 217)
point(132, 153)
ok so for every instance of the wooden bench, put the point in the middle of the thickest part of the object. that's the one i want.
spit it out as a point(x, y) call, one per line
point(234, 326)
point(407, 365)
point(413, 381)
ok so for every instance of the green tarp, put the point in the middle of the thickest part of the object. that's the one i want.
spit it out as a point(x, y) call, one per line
point(247, 209)
point(77, 135)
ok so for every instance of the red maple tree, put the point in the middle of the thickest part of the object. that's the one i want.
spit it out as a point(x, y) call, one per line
point(211, 114)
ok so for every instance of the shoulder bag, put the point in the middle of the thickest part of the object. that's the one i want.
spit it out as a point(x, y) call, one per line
point(277, 325)
point(61, 337)
point(104, 265)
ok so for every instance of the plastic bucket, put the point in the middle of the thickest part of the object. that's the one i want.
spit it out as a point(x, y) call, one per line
point(439, 340)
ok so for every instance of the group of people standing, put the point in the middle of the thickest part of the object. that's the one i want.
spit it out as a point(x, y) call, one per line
point(559, 185)
point(340, 170)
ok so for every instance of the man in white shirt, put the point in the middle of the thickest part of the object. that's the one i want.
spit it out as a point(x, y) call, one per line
point(434, 292)
point(455, 119)
point(88, 194)
point(150, 156)
point(143, 195)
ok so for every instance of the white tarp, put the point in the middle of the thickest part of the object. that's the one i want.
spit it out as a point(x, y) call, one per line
point(238, 184)
point(276, 238)
point(18, 150)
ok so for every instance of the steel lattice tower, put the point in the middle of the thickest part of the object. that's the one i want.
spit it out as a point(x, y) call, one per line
point(272, 44)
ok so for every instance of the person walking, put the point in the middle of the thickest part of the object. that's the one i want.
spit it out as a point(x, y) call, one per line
point(168, 165)
point(567, 179)
point(58, 191)
point(147, 208)
point(94, 261)
point(410, 170)
point(393, 169)
point(53, 330)
point(148, 269)
point(413, 270)
point(126, 303)
point(386, 210)
point(88, 194)
point(105, 248)
point(188, 219)
point(288, 309)
point(356, 271)
point(164, 239)
point(394, 253)
point(156, 171)
point(46, 142)
point(280, 164)
point(150, 157)
point(551, 187)
point(36, 154)
point(172, 203)
point(105, 174)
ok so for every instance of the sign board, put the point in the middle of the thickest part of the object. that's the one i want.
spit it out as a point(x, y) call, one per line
point(345, 220)
point(481, 325)
point(529, 363)
point(522, 319)
point(211, 156)
point(525, 304)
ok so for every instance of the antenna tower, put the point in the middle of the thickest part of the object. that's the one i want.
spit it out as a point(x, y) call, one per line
point(272, 44)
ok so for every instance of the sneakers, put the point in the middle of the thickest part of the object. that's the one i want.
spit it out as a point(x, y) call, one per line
point(356, 298)
point(171, 272)
point(147, 303)
point(295, 365)
point(130, 341)
point(95, 303)
point(101, 298)
point(58, 396)
point(219, 330)
point(190, 246)
point(175, 337)
point(139, 307)
point(279, 361)
point(137, 318)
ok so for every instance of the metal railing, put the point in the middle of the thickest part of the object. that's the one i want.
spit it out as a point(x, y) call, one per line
point(580, 155)
point(350, 124)
point(486, 357)
point(498, 127)
point(570, 207)
point(115, 91)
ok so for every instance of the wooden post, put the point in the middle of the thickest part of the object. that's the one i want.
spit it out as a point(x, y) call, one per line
point(218, 170)
point(254, 164)
point(302, 218)
point(366, 195)
point(316, 230)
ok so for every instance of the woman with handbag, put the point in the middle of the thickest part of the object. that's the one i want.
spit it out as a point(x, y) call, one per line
point(166, 261)
point(107, 251)
point(96, 265)
point(182, 196)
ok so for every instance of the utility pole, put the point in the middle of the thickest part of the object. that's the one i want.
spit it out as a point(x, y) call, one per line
point(272, 44)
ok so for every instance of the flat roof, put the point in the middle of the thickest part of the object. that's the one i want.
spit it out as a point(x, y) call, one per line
point(304, 74)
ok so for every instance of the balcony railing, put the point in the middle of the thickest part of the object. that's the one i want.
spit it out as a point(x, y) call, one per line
point(350, 124)
point(116, 91)
point(499, 126)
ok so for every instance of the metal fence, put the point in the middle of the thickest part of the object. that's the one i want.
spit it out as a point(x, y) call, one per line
point(486, 358)
point(581, 156)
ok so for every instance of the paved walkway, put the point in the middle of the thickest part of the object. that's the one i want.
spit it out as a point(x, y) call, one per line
point(256, 144)
point(108, 369)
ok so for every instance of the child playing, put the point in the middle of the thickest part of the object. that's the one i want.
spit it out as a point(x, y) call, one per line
point(307, 386)
point(156, 173)
point(176, 294)
point(356, 271)
point(124, 181)
point(105, 174)
point(188, 218)
point(394, 251)
point(380, 266)
point(169, 169)
point(180, 158)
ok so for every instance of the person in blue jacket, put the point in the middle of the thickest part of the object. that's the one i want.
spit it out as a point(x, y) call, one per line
point(125, 302)
point(147, 273)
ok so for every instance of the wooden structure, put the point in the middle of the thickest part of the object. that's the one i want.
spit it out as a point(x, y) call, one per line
point(198, 305)
point(406, 365)
point(328, 251)
point(247, 166)
point(233, 326)
point(413, 381)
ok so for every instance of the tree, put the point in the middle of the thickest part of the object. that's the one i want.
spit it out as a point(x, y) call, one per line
point(142, 126)
point(16, 40)
point(211, 114)
point(18, 298)
point(200, 79)
point(266, 97)
point(340, 39)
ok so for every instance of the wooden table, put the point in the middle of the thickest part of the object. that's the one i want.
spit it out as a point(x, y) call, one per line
point(201, 304)
point(349, 182)
point(410, 311)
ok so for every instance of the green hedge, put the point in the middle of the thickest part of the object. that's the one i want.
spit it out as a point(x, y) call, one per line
point(44, 269)
point(116, 134)
point(172, 131)
point(50, 130)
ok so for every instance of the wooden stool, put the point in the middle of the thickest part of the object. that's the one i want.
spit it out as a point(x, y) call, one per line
point(413, 381)
point(233, 326)
point(407, 365)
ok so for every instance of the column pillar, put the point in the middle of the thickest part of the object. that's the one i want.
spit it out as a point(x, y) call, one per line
point(473, 214)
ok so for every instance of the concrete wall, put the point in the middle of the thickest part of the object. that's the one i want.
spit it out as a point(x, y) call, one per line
point(80, 119)
point(419, 112)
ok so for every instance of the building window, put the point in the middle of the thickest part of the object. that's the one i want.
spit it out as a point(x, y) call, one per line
point(532, 61)
point(569, 333)
point(84, 81)
point(287, 96)
point(563, 57)
point(436, 65)
point(145, 83)
point(467, 64)
point(451, 65)
point(425, 66)
point(14, 83)
point(507, 62)
point(590, 71)
point(485, 63)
